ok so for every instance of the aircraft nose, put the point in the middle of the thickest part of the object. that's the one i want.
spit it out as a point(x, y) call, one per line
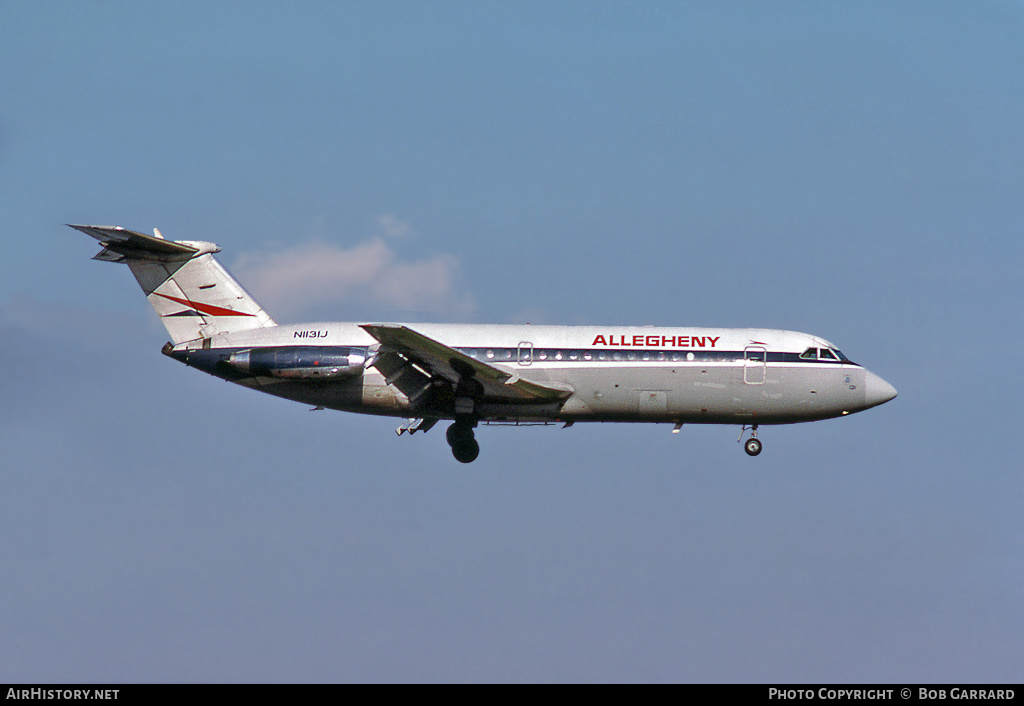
point(876, 390)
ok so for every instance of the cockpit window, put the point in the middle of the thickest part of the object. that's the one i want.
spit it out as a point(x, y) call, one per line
point(810, 354)
point(826, 354)
point(841, 356)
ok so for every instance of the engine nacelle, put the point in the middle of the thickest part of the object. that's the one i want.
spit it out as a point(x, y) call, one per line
point(301, 362)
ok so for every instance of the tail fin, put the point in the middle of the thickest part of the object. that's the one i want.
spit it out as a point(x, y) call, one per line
point(192, 292)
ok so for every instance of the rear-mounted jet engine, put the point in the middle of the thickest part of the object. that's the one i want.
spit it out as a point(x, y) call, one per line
point(300, 362)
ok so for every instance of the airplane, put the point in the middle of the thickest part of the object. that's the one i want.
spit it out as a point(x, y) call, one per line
point(475, 374)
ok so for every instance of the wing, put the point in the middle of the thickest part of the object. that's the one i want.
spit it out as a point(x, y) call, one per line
point(458, 368)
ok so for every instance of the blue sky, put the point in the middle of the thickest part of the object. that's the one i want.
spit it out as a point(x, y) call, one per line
point(850, 170)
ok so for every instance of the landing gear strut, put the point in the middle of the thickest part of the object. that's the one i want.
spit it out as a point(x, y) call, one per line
point(460, 437)
point(753, 445)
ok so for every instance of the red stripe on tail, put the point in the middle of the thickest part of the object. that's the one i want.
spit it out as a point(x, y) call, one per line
point(205, 308)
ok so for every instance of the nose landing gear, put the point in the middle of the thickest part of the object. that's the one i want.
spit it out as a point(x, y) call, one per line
point(465, 447)
point(753, 445)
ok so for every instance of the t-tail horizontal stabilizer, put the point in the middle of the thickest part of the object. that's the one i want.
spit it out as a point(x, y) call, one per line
point(120, 244)
point(192, 292)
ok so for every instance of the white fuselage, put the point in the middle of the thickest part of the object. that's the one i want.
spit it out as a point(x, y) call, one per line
point(616, 373)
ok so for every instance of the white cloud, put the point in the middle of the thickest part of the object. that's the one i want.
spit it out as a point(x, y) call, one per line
point(392, 227)
point(370, 275)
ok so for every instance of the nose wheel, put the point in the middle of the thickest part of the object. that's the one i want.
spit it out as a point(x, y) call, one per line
point(461, 438)
point(753, 445)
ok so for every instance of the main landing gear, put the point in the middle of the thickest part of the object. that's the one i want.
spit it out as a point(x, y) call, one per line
point(465, 447)
point(753, 445)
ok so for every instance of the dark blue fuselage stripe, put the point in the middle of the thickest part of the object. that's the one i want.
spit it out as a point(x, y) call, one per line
point(638, 355)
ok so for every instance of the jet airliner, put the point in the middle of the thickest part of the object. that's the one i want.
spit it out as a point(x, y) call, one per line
point(470, 374)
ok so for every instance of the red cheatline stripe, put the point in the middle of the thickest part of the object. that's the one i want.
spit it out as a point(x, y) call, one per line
point(205, 308)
